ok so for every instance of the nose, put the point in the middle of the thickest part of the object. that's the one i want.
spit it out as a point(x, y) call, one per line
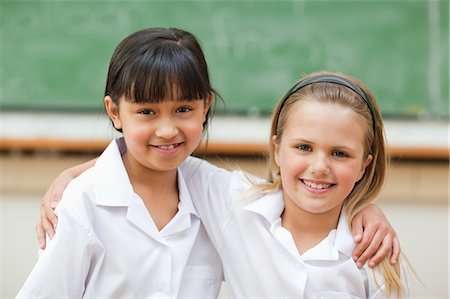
point(167, 129)
point(320, 164)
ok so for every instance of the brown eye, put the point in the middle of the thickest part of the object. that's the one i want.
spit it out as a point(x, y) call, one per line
point(184, 109)
point(146, 112)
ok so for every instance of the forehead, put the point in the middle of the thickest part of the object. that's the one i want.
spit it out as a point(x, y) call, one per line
point(325, 123)
point(152, 92)
point(176, 101)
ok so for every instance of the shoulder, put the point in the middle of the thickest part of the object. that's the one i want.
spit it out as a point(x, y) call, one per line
point(195, 167)
point(79, 195)
point(199, 167)
point(82, 184)
point(107, 172)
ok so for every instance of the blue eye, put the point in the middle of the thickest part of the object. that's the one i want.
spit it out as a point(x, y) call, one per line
point(340, 154)
point(304, 147)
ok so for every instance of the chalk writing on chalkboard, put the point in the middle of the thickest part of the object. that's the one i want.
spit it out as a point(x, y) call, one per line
point(55, 53)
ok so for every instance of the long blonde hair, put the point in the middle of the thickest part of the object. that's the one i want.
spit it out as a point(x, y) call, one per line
point(365, 190)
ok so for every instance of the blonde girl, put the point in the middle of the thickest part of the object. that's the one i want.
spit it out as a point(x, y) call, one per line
point(291, 236)
point(339, 93)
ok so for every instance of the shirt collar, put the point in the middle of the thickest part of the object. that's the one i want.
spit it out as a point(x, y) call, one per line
point(113, 187)
point(270, 206)
point(185, 197)
point(343, 238)
point(338, 240)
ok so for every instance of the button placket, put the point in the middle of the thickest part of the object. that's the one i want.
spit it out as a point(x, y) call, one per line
point(162, 285)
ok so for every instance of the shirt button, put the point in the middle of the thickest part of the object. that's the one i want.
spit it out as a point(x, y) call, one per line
point(160, 286)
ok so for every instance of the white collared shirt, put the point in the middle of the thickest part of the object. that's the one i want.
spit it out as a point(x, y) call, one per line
point(259, 255)
point(107, 246)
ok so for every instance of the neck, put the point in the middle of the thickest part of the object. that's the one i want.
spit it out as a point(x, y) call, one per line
point(308, 229)
point(153, 181)
point(157, 189)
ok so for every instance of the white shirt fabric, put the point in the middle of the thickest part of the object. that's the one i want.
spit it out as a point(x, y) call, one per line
point(107, 245)
point(259, 255)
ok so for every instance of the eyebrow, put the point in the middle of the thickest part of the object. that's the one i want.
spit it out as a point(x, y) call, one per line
point(338, 146)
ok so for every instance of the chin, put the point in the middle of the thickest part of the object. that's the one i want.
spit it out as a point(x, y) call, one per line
point(317, 209)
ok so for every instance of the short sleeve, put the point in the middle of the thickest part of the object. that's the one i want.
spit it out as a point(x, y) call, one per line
point(64, 267)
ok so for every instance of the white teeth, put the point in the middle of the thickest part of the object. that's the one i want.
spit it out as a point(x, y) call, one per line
point(167, 147)
point(316, 186)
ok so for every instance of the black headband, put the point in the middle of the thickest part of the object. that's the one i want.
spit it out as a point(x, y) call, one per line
point(329, 79)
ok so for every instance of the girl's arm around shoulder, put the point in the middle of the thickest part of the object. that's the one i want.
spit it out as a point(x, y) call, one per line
point(207, 182)
point(199, 167)
point(213, 190)
point(203, 178)
point(200, 171)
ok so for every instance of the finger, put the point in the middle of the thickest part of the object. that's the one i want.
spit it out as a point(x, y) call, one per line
point(372, 248)
point(365, 240)
point(46, 224)
point(384, 250)
point(54, 204)
point(51, 216)
point(395, 250)
point(55, 195)
point(359, 249)
point(47, 211)
point(40, 234)
point(357, 229)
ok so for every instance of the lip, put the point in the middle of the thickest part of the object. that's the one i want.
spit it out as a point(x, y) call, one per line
point(317, 187)
point(168, 149)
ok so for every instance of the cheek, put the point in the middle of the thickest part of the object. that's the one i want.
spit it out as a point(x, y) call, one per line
point(136, 130)
point(193, 130)
point(292, 166)
point(348, 174)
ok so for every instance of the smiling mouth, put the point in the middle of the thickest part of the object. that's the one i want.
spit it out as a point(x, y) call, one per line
point(168, 147)
point(317, 186)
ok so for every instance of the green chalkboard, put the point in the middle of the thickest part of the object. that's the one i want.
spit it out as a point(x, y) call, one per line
point(54, 54)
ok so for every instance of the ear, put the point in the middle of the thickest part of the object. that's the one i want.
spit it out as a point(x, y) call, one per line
point(207, 105)
point(276, 149)
point(113, 112)
point(363, 169)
